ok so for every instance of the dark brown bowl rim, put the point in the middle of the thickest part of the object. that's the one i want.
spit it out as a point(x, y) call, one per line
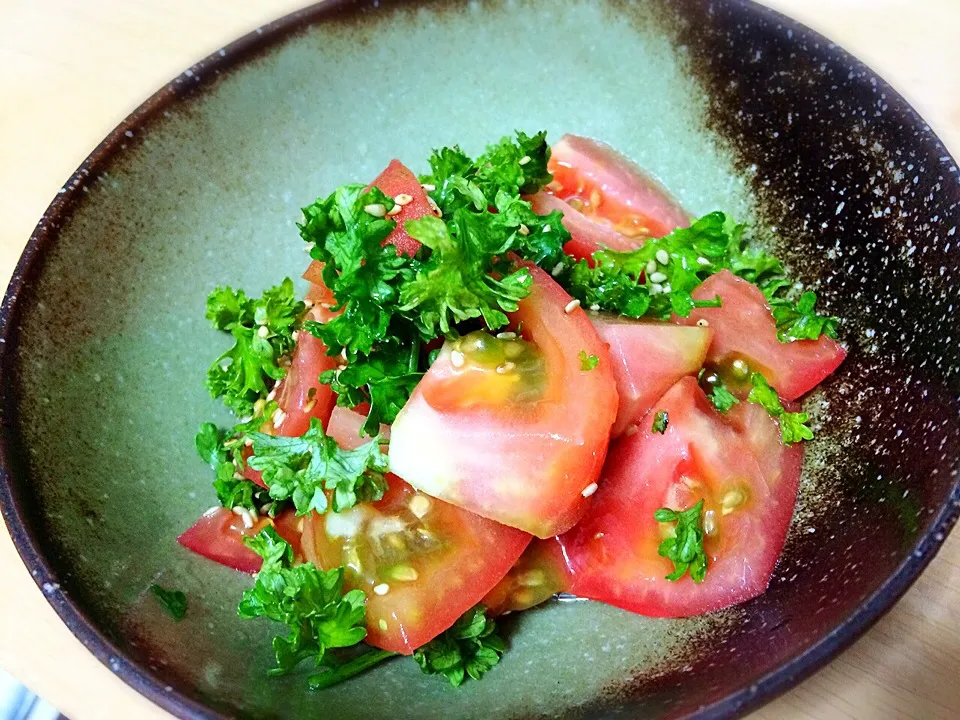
point(186, 84)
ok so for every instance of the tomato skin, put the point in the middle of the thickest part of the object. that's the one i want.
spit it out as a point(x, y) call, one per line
point(744, 328)
point(537, 576)
point(523, 464)
point(612, 189)
point(395, 180)
point(648, 358)
point(586, 236)
point(218, 535)
point(613, 551)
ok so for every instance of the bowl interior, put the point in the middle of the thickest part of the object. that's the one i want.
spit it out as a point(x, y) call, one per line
point(730, 106)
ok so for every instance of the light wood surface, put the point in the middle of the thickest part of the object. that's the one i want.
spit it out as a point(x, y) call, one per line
point(70, 70)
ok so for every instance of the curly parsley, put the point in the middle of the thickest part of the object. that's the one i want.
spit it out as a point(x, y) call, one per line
point(469, 648)
point(685, 548)
point(793, 425)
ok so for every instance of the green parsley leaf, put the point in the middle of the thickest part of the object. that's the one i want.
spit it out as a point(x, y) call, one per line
point(685, 548)
point(793, 425)
point(209, 444)
point(722, 398)
point(799, 320)
point(454, 284)
point(469, 648)
point(660, 422)
point(262, 332)
point(588, 362)
point(173, 601)
point(311, 603)
point(305, 468)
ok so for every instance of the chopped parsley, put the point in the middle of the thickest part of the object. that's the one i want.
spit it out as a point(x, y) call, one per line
point(469, 648)
point(657, 280)
point(173, 601)
point(660, 422)
point(723, 400)
point(685, 548)
point(588, 362)
point(305, 468)
point(319, 616)
point(262, 332)
point(793, 425)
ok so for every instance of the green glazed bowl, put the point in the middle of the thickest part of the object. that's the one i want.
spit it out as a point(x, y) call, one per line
point(104, 343)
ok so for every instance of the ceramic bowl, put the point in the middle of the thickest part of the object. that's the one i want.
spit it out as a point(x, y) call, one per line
point(732, 106)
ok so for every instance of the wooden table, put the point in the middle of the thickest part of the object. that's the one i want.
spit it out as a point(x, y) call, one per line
point(71, 70)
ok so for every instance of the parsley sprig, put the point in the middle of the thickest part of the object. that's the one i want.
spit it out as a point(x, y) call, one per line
point(306, 468)
point(173, 601)
point(319, 616)
point(793, 425)
point(685, 547)
point(468, 649)
point(262, 331)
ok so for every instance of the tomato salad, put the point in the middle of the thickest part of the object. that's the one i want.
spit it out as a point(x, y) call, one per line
point(522, 374)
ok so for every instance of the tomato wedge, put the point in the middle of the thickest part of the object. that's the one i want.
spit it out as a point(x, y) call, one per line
point(513, 429)
point(586, 236)
point(396, 181)
point(648, 358)
point(744, 329)
point(607, 201)
point(701, 455)
point(421, 561)
point(540, 573)
point(218, 535)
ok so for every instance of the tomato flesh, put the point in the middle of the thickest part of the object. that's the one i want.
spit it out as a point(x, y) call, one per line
point(218, 535)
point(744, 329)
point(648, 358)
point(701, 455)
point(396, 180)
point(610, 201)
point(539, 574)
point(521, 462)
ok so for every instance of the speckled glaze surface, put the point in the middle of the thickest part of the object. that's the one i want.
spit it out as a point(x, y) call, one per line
point(104, 343)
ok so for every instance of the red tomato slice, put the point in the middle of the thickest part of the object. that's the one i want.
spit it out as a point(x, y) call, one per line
point(586, 236)
point(611, 189)
point(613, 551)
point(218, 535)
point(539, 574)
point(345, 424)
point(744, 329)
point(301, 396)
point(395, 181)
point(517, 447)
point(318, 294)
point(648, 358)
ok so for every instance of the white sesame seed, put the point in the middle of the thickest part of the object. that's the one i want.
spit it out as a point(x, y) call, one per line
point(308, 302)
point(375, 209)
point(420, 505)
point(244, 515)
point(403, 199)
point(506, 336)
point(271, 395)
point(294, 335)
point(523, 230)
point(263, 331)
point(457, 359)
point(429, 187)
point(595, 307)
point(651, 267)
point(546, 228)
point(248, 442)
point(589, 490)
point(394, 210)
point(557, 269)
point(666, 288)
point(658, 277)
point(663, 257)
point(656, 289)
point(525, 159)
point(434, 206)
point(505, 368)
point(710, 522)
point(702, 261)
point(571, 306)
point(702, 323)
point(381, 589)
point(278, 417)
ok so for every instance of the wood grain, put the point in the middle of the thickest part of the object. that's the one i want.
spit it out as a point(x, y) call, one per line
point(72, 70)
